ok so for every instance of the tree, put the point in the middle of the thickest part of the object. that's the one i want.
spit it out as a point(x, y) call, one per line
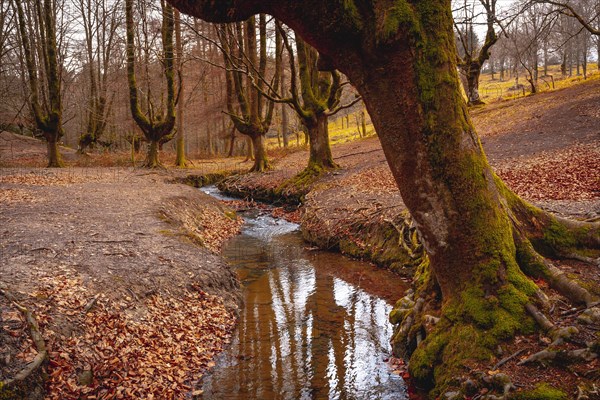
point(319, 98)
point(531, 27)
point(585, 18)
point(47, 110)
point(321, 92)
point(180, 160)
point(249, 110)
point(156, 125)
point(473, 56)
point(100, 22)
point(480, 238)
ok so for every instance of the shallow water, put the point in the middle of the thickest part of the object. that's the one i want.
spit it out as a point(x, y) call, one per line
point(313, 325)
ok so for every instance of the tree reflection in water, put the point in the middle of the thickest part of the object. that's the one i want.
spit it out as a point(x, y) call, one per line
point(307, 330)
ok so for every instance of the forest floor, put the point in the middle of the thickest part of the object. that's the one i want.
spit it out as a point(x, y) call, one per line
point(106, 259)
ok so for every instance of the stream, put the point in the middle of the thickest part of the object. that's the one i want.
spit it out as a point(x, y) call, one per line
point(314, 324)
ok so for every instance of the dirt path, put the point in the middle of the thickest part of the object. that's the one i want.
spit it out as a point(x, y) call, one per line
point(81, 246)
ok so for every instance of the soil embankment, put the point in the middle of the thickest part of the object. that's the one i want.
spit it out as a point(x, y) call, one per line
point(122, 271)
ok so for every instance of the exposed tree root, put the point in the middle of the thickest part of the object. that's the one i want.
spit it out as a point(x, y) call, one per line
point(19, 384)
point(441, 337)
point(588, 260)
point(536, 266)
point(562, 356)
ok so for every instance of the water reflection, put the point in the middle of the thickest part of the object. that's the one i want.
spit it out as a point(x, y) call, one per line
point(306, 330)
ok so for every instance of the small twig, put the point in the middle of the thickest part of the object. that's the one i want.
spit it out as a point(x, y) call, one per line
point(507, 359)
point(133, 294)
point(110, 241)
point(38, 341)
point(91, 304)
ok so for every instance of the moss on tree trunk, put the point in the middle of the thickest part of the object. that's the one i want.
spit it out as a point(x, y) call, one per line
point(320, 148)
point(54, 157)
point(261, 162)
point(152, 160)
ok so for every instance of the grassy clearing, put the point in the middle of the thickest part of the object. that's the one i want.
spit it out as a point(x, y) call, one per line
point(492, 90)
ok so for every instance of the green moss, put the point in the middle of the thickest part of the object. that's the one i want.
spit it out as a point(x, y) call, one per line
point(558, 237)
point(6, 393)
point(400, 15)
point(426, 357)
point(352, 13)
point(542, 392)
point(300, 185)
point(440, 358)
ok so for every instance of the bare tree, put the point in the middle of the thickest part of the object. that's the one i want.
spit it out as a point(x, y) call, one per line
point(100, 20)
point(588, 17)
point(157, 125)
point(180, 159)
point(473, 55)
point(45, 98)
point(246, 82)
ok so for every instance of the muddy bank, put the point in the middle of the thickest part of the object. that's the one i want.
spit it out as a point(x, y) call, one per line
point(108, 257)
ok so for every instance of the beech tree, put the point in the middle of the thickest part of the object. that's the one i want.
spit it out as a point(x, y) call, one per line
point(100, 21)
point(484, 244)
point(180, 160)
point(473, 56)
point(246, 70)
point(41, 60)
point(319, 98)
point(156, 124)
point(320, 92)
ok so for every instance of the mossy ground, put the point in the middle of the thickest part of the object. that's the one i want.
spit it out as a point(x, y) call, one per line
point(542, 391)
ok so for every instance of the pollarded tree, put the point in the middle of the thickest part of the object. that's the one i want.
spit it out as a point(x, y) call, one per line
point(483, 242)
point(246, 69)
point(472, 55)
point(45, 97)
point(157, 126)
point(100, 21)
point(320, 96)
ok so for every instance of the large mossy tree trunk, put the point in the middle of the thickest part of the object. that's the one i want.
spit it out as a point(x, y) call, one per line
point(54, 157)
point(472, 78)
point(319, 147)
point(152, 159)
point(479, 237)
point(261, 162)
